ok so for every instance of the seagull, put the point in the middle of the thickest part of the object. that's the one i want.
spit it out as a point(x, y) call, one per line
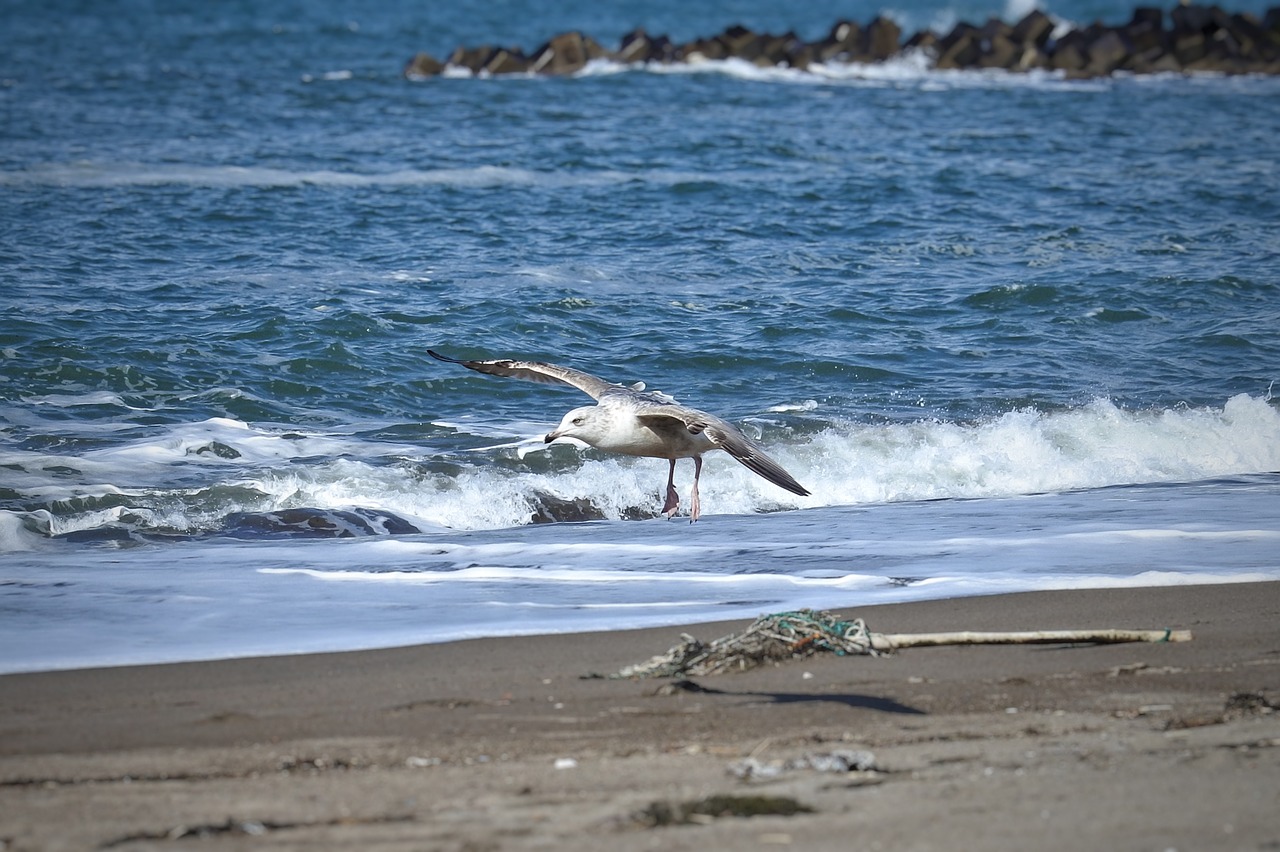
point(628, 421)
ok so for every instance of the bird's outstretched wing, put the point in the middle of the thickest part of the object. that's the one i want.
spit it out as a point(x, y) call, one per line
point(726, 436)
point(750, 454)
point(535, 371)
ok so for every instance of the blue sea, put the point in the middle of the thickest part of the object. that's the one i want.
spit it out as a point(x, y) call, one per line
point(1013, 332)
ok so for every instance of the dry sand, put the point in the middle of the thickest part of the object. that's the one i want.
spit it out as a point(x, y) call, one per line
point(499, 744)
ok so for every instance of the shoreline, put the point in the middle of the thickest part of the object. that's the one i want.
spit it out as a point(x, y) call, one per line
point(501, 744)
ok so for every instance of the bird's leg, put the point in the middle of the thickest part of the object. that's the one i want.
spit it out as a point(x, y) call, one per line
point(673, 499)
point(695, 505)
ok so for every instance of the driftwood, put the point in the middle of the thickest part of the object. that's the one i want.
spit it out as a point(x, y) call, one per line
point(893, 641)
point(803, 633)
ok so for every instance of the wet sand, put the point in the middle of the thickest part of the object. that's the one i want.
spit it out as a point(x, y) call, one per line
point(500, 744)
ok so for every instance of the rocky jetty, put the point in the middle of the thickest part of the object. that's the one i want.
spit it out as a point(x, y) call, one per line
point(1190, 38)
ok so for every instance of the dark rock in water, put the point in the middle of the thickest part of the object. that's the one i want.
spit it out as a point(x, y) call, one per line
point(1199, 38)
point(881, 40)
point(1155, 61)
point(665, 50)
point(471, 58)
point(785, 49)
point(1107, 53)
point(1070, 53)
point(1002, 52)
point(1145, 31)
point(996, 28)
point(960, 48)
point(1255, 42)
point(636, 46)
point(503, 61)
point(566, 53)
point(841, 43)
point(760, 49)
point(99, 535)
point(1032, 57)
point(1188, 47)
point(1190, 18)
point(547, 508)
point(1034, 29)
point(1147, 16)
point(550, 509)
point(923, 40)
point(639, 47)
point(802, 55)
point(215, 448)
point(316, 523)
point(704, 49)
point(998, 45)
point(423, 65)
point(740, 43)
point(1205, 38)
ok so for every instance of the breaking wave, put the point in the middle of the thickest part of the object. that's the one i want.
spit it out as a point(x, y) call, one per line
point(225, 477)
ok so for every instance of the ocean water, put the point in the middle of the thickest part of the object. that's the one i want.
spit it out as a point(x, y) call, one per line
point(1013, 332)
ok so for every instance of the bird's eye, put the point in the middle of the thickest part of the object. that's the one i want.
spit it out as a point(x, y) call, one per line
point(577, 421)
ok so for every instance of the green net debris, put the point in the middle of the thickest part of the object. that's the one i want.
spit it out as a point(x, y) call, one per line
point(774, 638)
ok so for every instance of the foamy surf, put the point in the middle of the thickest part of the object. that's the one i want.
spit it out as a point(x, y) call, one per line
point(215, 598)
point(91, 174)
point(226, 477)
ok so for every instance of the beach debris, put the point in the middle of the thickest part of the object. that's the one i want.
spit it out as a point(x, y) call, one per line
point(1244, 704)
point(566, 763)
point(248, 828)
point(770, 638)
point(841, 761)
point(414, 761)
point(288, 764)
point(1104, 636)
point(711, 808)
point(678, 686)
point(1127, 669)
point(1239, 705)
point(803, 633)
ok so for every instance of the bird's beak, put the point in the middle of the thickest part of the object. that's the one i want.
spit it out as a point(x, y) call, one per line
point(551, 436)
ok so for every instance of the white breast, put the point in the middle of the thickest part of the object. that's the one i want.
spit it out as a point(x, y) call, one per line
point(666, 439)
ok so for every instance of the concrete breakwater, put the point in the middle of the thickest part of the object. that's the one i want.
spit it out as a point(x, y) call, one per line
point(1190, 38)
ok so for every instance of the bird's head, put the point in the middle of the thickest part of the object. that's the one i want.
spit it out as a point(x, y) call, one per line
point(581, 423)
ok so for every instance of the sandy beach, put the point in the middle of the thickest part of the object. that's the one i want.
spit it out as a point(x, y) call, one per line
point(500, 744)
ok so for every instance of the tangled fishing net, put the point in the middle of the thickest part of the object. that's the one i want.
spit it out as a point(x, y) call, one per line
point(769, 639)
point(795, 635)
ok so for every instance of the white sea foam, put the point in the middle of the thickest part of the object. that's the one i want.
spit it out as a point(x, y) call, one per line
point(807, 405)
point(225, 599)
point(1021, 452)
point(62, 400)
point(93, 174)
point(1029, 451)
point(911, 65)
point(17, 533)
point(190, 476)
point(910, 68)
